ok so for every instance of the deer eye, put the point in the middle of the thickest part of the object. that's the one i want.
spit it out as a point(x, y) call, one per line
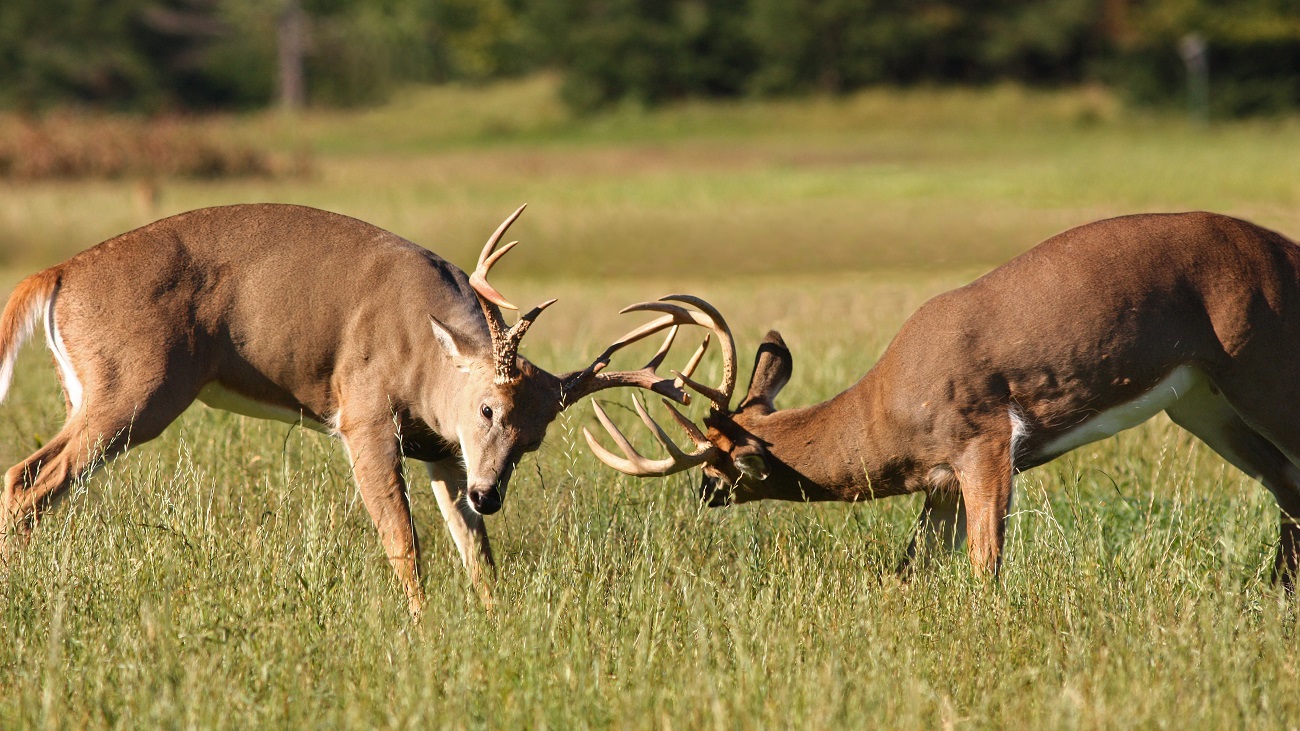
point(486, 411)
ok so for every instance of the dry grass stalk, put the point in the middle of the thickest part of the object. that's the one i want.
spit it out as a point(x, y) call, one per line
point(72, 146)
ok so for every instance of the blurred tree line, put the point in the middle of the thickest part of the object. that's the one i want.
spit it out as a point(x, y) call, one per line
point(204, 54)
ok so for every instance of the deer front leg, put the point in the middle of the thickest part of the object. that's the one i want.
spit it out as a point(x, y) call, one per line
point(940, 527)
point(466, 526)
point(986, 477)
point(377, 466)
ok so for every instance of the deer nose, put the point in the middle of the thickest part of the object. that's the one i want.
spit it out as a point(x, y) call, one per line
point(715, 493)
point(485, 500)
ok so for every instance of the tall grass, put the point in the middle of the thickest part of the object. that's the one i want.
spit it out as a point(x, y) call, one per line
point(227, 576)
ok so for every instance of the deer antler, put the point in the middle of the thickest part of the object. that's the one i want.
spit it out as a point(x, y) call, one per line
point(488, 257)
point(633, 463)
point(720, 397)
point(583, 383)
point(505, 342)
point(577, 384)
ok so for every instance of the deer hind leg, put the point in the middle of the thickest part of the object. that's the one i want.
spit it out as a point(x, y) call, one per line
point(35, 484)
point(466, 526)
point(375, 453)
point(1212, 419)
point(91, 437)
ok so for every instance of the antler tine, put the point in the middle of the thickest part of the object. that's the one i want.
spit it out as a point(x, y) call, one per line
point(646, 330)
point(496, 256)
point(714, 396)
point(526, 321)
point(505, 342)
point(686, 424)
point(602, 360)
point(710, 318)
point(658, 359)
point(488, 257)
point(589, 380)
point(694, 361)
point(577, 384)
point(495, 238)
point(725, 341)
point(633, 463)
point(659, 434)
point(614, 432)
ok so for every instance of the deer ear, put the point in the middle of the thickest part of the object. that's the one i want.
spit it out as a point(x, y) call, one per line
point(449, 346)
point(772, 370)
point(751, 459)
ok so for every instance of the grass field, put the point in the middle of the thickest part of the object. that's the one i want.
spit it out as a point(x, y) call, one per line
point(227, 576)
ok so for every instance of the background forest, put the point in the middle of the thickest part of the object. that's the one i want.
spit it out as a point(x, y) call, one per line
point(164, 55)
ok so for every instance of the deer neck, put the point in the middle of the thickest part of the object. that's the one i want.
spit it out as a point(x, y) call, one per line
point(845, 448)
point(838, 449)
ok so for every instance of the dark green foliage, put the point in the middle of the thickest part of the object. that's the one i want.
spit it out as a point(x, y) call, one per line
point(645, 50)
point(80, 50)
point(650, 51)
point(654, 50)
point(151, 54)
point(1253, 50)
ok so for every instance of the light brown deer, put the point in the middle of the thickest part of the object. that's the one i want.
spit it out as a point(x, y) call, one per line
point(309, 317)
point(1091, 332)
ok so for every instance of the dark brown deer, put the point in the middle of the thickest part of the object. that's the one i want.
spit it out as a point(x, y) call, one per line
point(309, 317)
point(1091, 332)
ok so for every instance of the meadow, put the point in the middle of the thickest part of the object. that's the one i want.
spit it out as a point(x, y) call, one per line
point(226, 575)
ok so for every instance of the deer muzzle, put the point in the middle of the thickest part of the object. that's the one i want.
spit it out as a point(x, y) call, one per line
point(715, 492)
point(485, 500)
point(486, 496)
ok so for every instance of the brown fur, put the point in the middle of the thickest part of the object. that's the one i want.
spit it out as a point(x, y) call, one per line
point(320, 316)
point(1086, 321)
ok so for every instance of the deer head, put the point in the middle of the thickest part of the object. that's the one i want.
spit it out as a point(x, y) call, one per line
point(502, 409)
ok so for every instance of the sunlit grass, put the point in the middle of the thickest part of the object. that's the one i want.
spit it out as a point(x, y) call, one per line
point(226, 575)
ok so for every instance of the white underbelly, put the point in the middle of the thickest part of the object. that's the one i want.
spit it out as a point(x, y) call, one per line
point(1125, 416)
point(219, 397)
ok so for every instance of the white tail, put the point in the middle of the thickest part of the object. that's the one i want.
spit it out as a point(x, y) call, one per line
point(30, 303)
